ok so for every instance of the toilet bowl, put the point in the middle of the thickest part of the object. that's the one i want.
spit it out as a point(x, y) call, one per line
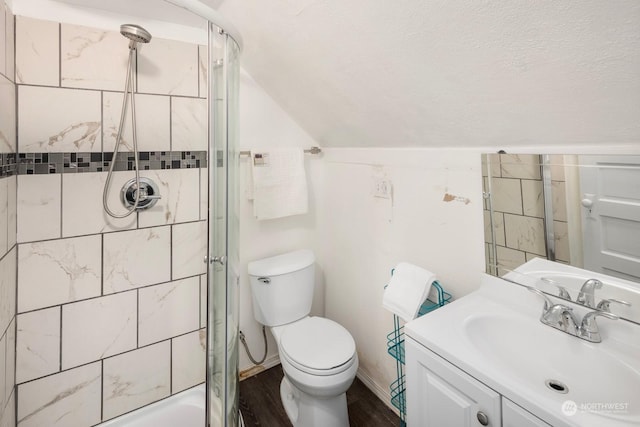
point(319, 361)
point(318, 355)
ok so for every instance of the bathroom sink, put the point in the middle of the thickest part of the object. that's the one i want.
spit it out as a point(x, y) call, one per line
point(556, 363)
point(495, 335)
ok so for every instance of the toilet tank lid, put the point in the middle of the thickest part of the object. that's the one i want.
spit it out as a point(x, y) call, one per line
point(281, 264)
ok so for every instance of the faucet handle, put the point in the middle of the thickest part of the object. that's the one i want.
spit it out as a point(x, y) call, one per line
point(547, 301)
point(587, 291)
point(589, 328)
point(562, 291)
point(561, 317)
point(590, 316)
point(604, 304)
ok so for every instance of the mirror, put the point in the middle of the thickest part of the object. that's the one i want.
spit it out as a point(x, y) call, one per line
point(556, 221)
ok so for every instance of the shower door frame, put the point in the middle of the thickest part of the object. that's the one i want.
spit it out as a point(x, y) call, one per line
point(223, 232)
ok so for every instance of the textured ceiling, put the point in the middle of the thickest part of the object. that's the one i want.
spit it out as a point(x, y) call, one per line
point(448, 72)
point(443, 73)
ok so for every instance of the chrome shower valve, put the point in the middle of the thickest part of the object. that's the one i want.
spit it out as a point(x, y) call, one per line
point(148, 194)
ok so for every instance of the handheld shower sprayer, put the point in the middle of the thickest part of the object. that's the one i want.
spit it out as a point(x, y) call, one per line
point(135, 33)
point(137, 193)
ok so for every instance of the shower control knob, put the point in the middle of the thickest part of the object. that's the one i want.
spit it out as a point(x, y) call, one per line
point(482, 418)
point(148, 193)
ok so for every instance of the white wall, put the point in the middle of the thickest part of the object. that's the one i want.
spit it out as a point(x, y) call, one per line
point(361, 237)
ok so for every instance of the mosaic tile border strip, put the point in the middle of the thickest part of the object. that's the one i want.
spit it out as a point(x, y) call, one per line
point(50, 163)
point(8, 165)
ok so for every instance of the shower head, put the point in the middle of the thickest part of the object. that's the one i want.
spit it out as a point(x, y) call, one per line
point(135, 33)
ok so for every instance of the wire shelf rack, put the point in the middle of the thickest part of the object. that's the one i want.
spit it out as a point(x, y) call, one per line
point(395, 348)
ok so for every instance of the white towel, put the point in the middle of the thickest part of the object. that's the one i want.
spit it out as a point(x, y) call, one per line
point(279, 183)
point(408, 288)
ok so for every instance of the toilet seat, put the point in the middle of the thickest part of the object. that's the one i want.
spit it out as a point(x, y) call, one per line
point(318, 346)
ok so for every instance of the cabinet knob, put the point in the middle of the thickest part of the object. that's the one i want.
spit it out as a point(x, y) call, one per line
point(482, 418)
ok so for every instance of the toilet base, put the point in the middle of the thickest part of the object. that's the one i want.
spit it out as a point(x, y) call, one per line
point(305, 410)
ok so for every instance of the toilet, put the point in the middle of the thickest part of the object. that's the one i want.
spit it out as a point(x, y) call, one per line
point(318, 355)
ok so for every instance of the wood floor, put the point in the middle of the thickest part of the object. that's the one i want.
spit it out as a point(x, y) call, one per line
point(260, 403)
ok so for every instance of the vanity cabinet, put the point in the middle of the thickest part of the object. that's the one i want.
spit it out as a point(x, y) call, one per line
point(441, 395)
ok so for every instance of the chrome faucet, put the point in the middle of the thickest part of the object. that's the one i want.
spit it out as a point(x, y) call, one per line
point(586, 296)
point(561, 317)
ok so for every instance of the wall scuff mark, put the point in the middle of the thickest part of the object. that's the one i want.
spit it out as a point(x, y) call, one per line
point(453, 198)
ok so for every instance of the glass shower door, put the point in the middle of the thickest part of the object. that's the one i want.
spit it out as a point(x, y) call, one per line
point(223, 254)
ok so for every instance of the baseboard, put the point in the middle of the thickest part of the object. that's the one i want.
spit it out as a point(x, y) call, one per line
point(381, 393)
point(270, 362)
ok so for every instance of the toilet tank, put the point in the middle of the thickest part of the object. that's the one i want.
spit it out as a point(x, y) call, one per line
point(282, 287)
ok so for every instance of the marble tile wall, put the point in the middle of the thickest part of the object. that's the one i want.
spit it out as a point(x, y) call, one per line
point(8, 190)
point(518, 205)
point(109, 311)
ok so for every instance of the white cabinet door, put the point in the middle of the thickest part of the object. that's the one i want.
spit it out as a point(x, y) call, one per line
point(515, 416)
point(441, 395)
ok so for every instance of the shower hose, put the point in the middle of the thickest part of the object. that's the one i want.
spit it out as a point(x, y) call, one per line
point(128, 91)
point(246, 347)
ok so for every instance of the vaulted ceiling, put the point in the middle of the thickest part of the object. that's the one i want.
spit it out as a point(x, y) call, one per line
point(446, 73)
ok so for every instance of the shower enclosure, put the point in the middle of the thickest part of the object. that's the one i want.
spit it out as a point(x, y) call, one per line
point(106, 319)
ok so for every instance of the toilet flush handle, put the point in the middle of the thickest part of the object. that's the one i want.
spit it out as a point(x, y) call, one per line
point(264, 280)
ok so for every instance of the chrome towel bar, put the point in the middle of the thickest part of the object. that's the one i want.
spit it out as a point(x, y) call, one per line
point(312, 150)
